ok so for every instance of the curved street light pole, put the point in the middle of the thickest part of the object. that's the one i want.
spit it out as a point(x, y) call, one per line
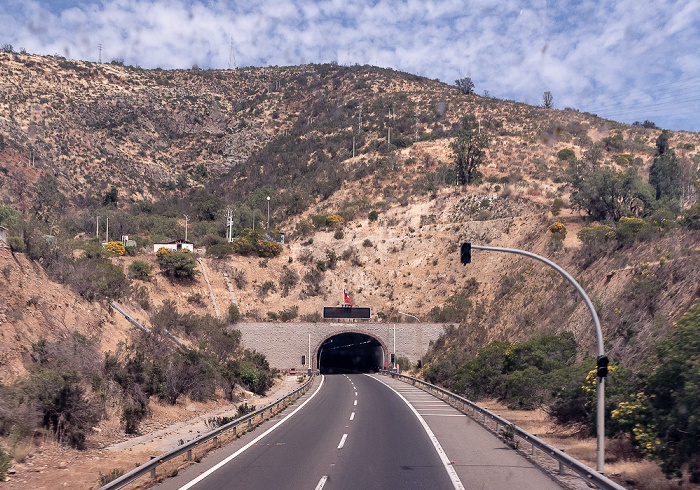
point(600, 422)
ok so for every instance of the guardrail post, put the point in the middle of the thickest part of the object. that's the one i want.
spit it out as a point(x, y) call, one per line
point(216, 440)
point(562, 468)
point(153, 470)
point(189, 455)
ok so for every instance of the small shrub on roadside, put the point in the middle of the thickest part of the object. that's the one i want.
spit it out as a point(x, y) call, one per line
point(234, 314)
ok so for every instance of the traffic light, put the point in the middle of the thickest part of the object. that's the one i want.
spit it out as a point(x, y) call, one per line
point(465, 253)
point(392, 358)
point(303, 360)
point(602, 366)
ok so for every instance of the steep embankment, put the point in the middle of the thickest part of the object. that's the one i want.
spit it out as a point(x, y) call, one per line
point(32, 307)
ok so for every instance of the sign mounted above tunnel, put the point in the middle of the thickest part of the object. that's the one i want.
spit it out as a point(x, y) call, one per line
point(350, 312)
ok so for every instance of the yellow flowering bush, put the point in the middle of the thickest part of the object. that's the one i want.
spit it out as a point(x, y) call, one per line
point(591, 235)
point(333, 220)
point(558, 231)
point(557, 228)
point(162, 251)
point(117, 248)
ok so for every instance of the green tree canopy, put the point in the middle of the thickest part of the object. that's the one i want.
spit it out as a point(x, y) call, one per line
point(178, 265)
point(465, 85)
point(468, 150)
point(606, 194)
point(665, 174)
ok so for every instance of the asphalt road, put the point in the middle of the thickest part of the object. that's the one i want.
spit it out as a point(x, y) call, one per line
point(353, 433)
point(364, 432)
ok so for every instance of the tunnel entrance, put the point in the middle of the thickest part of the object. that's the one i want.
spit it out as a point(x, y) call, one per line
point(350, 352)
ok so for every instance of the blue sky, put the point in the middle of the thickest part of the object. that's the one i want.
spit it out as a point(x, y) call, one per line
point(627, 60)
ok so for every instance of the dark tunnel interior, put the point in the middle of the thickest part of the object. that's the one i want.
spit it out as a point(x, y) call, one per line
point(350, 353)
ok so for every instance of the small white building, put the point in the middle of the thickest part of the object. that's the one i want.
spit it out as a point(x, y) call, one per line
point(3, 234)
point(174, 246)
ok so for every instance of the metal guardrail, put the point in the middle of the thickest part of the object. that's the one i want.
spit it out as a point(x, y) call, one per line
point(135, 322)
point(565, 461)
point(247, 419)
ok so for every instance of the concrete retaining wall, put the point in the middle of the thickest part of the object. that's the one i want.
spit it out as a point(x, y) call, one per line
point(284, 343)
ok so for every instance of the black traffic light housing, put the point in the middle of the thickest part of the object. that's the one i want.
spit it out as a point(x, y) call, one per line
point(392, 358)
point(465, 253)
point(303, 360)
point(602, 365)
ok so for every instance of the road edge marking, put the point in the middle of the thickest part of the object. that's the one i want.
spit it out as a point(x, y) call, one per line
point(456, 482)
point(251, 443)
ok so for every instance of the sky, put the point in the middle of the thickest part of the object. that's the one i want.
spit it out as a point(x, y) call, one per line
point(626, 60)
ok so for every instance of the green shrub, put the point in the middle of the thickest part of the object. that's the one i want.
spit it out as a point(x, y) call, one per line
point(140, 270)
point(220, 250)
point(373, 215)
point(178, 265)
point(16, 244)
point(234, 314)
point(5, 463)
point(289, 314)
point(691, 217)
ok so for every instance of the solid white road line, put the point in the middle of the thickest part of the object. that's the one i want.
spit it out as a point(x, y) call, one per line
point(321, 482)
point(456, 482)
point(342, 441)
point(352, 415)
point(251, 443)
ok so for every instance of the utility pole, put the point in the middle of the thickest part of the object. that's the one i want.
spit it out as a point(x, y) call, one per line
point(359, 116)
point(107, 234)
point(100, 58)
point(268, 213)
point(97, 232)
point(187, 218)
point(229, 225)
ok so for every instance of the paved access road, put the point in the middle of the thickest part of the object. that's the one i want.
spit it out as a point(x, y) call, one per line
point(357, 432)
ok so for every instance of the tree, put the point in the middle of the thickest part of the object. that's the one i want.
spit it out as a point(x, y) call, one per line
point(465, 85)
point(49, 201)
point(665, 173)
point(468, 150)
point(111, 197)
point(675, 396)
point(547, 100)
point(606, 194)
point(180, 265)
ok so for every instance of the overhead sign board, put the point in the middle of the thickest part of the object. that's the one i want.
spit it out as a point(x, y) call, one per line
point(352, 312)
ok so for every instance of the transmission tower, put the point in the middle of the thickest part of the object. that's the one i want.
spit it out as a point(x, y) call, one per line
point(100, 58)
point(232, 57)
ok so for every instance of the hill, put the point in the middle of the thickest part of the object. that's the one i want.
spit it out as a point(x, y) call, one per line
point(369, 147)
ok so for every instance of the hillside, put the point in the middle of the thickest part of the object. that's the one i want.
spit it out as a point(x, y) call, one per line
point(371, 147)
point(81, 140)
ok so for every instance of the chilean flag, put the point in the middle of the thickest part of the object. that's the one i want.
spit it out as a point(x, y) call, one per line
point(346, 298)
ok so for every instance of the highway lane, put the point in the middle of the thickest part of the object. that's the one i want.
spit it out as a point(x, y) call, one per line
point(352, 433)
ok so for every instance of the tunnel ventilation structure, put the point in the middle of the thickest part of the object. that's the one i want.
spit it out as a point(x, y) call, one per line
point(350, 352)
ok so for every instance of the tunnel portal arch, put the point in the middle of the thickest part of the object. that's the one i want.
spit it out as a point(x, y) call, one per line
point(350, 351)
